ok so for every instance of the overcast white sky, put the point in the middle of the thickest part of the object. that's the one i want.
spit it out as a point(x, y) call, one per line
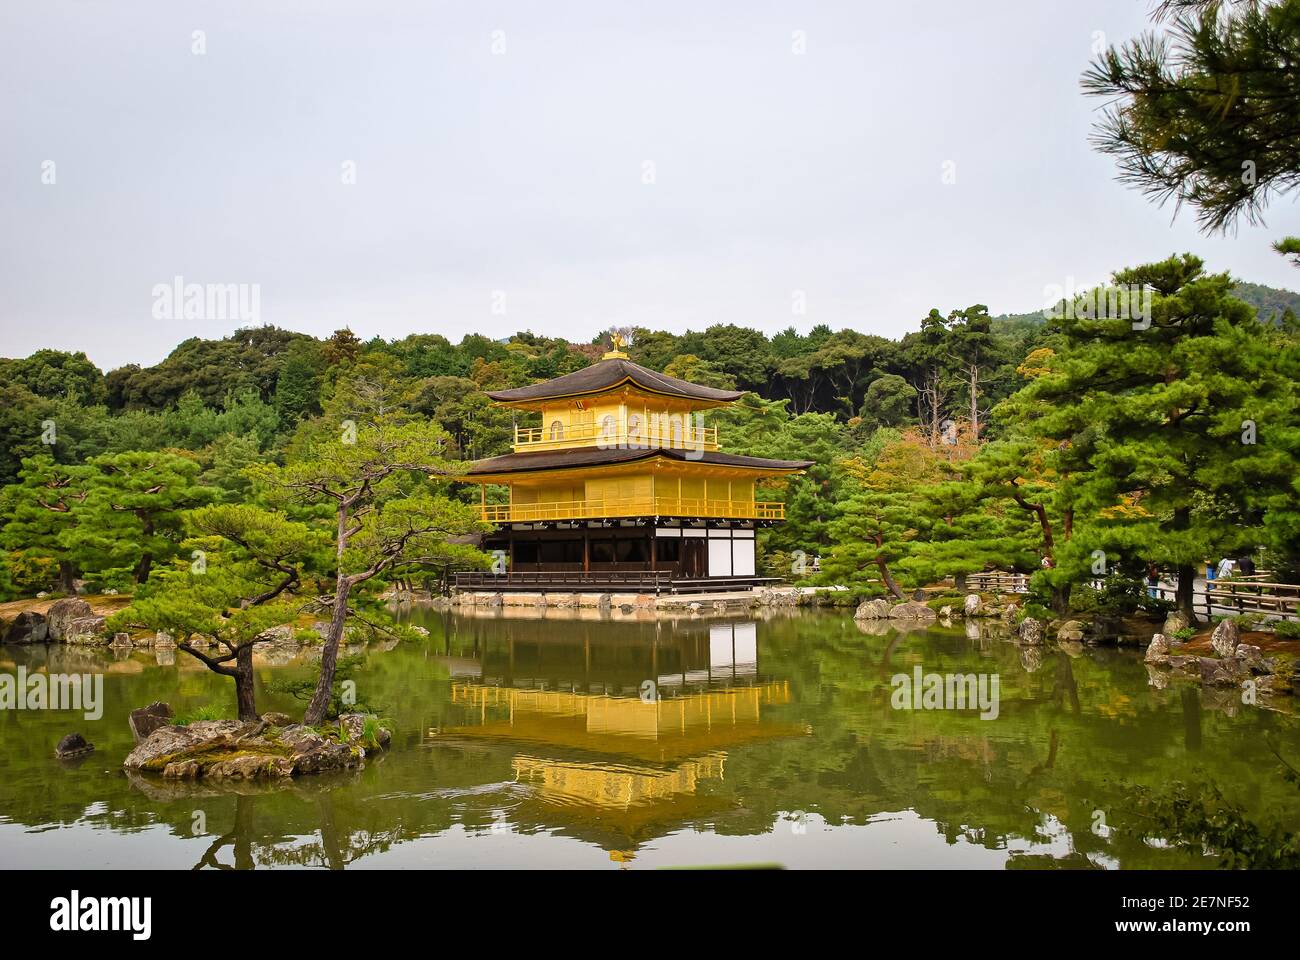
point(522, 171)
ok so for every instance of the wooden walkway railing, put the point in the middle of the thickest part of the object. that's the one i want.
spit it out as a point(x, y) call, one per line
point(997, 582)
point(1243, 596)
point(1217, 597)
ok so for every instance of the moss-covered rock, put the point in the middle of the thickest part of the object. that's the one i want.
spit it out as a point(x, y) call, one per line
point(234, 750)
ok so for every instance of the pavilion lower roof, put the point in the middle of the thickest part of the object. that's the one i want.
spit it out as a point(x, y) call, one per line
point(594, 456)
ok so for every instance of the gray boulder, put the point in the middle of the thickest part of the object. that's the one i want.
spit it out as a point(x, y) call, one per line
point(1158, 650)
point(1225, 638)
point(1177, 620)
point(148, 719)
point(974, 606)
point(1219, 672)
point(877, 609)
point(1264, 685)
point(1030, 631)
point(85, 631)
point(27, 627)
point(353, 726)
point(1251, 656)
point(72, 746)
point(1071, 630)
point(313, 753)
point(61, 615)
point(171, 742)
point(911, 610)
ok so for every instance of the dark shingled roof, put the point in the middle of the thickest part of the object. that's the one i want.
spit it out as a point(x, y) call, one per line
point(606, 374)
point(594, 456)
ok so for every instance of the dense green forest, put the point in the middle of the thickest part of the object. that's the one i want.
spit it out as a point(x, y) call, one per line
point(969, 444)
point(1271, 305)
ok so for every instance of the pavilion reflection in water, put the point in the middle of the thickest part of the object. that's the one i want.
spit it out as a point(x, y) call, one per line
point(617, 730)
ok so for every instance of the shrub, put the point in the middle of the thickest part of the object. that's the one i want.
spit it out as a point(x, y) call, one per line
point(208, 711)
point(1287, 629)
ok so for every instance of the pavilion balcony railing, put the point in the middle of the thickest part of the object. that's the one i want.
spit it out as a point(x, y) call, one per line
point(634, 507)
point(675, 437)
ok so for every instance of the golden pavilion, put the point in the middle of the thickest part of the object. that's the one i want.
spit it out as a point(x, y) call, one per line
point(619, 484)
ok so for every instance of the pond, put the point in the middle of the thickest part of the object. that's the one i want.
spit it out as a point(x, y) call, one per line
point(528, 741)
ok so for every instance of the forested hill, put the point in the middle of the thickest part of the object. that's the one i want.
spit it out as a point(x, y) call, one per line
point(1270, 302)
point(246, 394)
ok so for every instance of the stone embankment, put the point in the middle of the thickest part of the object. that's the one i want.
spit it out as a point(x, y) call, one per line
point(638, 604)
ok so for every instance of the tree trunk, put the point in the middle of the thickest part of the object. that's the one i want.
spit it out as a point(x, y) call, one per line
point(244, 694)
point(1061, 600)
point(67, 578)
point(146, 559)
point(959, 581)
point(320, 700)
point(1185, 598)
point(888, 579)
point(143, 567)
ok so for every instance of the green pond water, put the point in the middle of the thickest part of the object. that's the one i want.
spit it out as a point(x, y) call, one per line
point(624, 745)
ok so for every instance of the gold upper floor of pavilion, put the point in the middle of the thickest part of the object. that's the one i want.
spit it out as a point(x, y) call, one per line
point(615, 403)
point(616, 439)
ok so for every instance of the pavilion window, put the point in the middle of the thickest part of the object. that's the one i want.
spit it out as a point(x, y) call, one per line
point(557, 430)
point(668, 549)
point(632, 551)
point(561, 551)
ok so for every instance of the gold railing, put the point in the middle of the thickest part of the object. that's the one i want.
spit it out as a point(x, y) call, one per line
point(597, 435)
point(634, 507)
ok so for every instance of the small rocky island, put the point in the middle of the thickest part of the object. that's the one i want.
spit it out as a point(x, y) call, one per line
point(270, 748)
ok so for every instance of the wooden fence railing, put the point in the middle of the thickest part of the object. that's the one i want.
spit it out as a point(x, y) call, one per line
point(1243, 596)
point(1217, 597)
point(997, 582)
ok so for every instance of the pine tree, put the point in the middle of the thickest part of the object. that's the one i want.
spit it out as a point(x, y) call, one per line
point(962, 530)
point(132, 513)
point(874, 530)
point(235, 582)
point(44, 508)
point(1177, 437)
point(1209, 112)
point(383, 479)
